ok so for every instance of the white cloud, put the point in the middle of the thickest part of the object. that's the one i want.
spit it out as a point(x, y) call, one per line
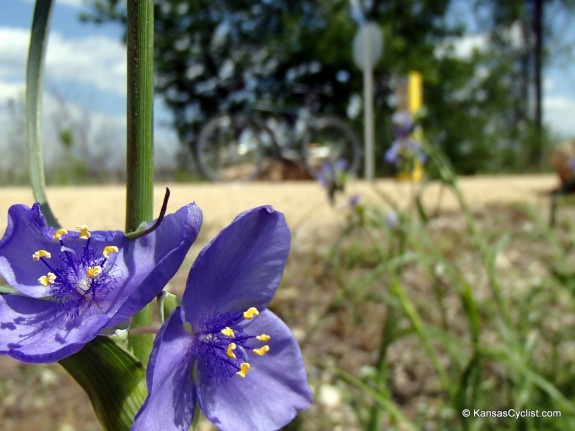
point(462, 47)
point(71, 3)
point(13, 52)
point(81, 74)
point(95, 60)
point(9, 91)
point(558, 112)
point(465, 46)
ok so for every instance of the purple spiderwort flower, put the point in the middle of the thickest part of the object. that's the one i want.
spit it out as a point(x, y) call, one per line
point(354, 201)
point(392, 219)
point(404, 149)
point(332, 178)
point(72, 285)
point(222, 349)
point(403, 125)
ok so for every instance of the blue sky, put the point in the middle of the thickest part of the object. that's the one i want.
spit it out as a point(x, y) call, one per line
point(86, 76)
point(85, 85)
point(67, 35)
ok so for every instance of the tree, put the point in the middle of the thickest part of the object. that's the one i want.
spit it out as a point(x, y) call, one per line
point(218, 54)
point(523, 39)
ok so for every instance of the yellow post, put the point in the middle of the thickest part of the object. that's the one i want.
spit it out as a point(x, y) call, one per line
point(414, 92)
point(414, 104)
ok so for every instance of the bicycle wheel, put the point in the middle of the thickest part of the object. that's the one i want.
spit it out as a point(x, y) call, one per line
point(329, 139)
point(229, 149)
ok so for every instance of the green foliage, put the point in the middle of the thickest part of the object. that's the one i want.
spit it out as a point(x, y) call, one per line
point(476, 308)
point(113, 379)
point(212, 56)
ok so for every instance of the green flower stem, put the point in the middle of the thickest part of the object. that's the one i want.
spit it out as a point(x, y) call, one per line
point(422, 332)
point(140, 156)
point(447, 174)
point(34, 91)
point(383, 399)
point(113, 379)
point(388, 336)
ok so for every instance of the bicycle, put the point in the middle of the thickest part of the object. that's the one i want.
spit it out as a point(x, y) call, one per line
point(232, 146)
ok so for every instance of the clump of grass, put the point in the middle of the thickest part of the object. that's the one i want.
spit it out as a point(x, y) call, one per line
point(422, 320)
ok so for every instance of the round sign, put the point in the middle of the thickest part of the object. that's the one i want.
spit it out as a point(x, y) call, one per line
point(367, 45)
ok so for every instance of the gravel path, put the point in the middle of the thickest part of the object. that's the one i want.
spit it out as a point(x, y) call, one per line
point(304, 203)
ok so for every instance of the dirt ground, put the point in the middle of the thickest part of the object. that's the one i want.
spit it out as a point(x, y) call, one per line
point(303, 202)
point(306, 209)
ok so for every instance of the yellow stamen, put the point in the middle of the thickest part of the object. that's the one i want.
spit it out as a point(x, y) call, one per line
point(250, 313)
point(230, 350)
point(244, 368)
point(94, 271)
point(41, 253)
point(263, 337)
point(47, 279)
point(84, 232)
point(228, 332)
point(109, 249)
point(262, 350)
point(59, 234)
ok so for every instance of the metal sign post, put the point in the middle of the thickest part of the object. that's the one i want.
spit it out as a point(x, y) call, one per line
point(367, 49)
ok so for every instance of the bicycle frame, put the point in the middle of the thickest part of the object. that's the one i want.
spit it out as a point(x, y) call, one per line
point(233, 146)
point(297, 121)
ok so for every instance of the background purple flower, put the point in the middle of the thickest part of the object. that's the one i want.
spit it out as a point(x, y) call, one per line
point(404, 150)
point(332, 178)
point(403, 124)
point(71, 285)
point(223, 350)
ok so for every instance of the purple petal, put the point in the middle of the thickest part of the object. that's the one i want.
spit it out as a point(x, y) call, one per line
point(171, 397)
point(393, 152)
point(47, 331)
point(27, 233)
point(271, 394)
point(241, 268)
point(341, 165)
point(39, 331)
point(152, 260)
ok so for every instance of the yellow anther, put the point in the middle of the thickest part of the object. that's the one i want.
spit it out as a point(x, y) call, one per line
point(250, 313)
point(109, 249)
point(244, 368)
point(263, 337)
point(84, 232)
point(93, 271)
point(230, 350)
point(41, 253)
point(59, 234)
point(228, 332)
point(47, 279)
point(262, 350)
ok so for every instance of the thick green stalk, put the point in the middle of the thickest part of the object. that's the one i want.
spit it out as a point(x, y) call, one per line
point(112, 378)
point(34, 92)
point(140, 156)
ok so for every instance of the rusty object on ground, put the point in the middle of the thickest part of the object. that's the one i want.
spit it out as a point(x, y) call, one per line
point(280, 169)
